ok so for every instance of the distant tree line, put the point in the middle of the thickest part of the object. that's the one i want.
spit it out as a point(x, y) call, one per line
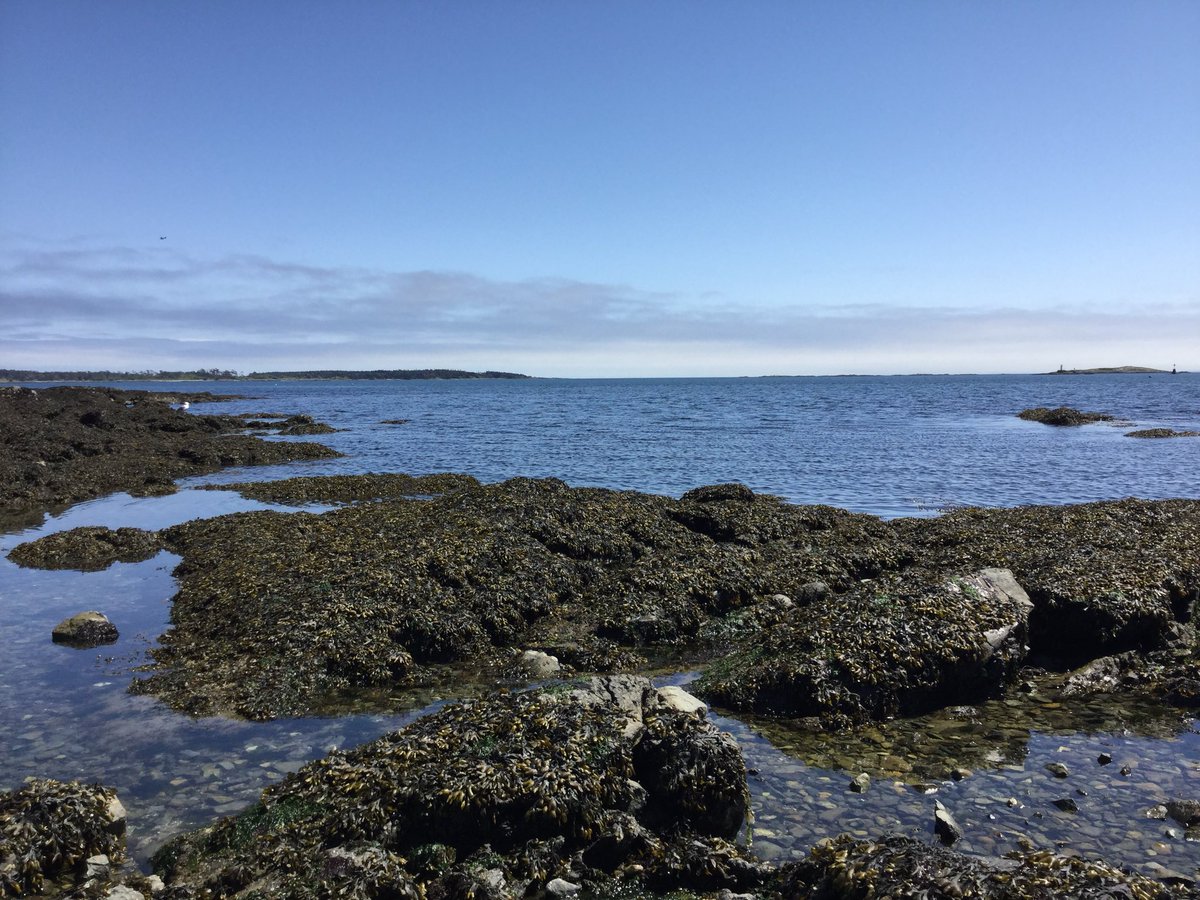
point(230, 375)
point(380, 374)
point(146, 375)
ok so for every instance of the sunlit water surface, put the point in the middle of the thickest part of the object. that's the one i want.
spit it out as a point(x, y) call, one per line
point(888, 446)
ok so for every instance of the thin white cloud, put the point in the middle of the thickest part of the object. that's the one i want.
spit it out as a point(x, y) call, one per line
point(115, 307)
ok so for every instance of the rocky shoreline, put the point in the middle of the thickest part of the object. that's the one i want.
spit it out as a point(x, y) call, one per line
point(601, 785)
point(66, 444)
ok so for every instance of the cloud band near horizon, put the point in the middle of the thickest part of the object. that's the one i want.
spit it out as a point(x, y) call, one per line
point(85, 307)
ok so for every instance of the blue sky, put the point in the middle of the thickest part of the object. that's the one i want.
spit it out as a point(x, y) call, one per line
point(570, 188)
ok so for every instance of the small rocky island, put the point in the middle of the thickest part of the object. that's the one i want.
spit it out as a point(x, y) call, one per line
point(1063, 415)
point(579, 777)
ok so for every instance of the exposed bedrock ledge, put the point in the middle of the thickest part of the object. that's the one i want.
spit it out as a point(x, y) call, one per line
point(277, 612)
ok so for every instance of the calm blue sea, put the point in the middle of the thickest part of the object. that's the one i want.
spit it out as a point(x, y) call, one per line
point(893, 446)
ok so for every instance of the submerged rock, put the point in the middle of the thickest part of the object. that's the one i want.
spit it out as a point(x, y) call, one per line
point(87, 549)
point(528, 782)
point(85, 629)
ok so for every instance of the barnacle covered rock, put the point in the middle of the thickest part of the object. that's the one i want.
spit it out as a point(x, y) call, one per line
point(887, 647)
point(528, 780)
point(65, 444)
point(901, 867)
point(1161, 433)
point(87, 549)
point(48, 829)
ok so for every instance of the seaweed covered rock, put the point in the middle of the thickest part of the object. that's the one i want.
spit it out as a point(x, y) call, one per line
point(886, 647)
point(1062, 415)
point(1103, 577)
point(529, 782)
point(64, 444)
point(901, 867)
point(85, 629)
point(87, 549)
point(49, 829)
point(277, 611)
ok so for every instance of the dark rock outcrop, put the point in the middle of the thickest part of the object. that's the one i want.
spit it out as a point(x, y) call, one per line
point(887, 647)
point(507, 791)
point(85, 629)
point(1062, 415)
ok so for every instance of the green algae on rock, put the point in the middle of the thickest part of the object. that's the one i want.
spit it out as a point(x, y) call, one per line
point(66, 444)
point(87, 549)
point(513, 789)
point(1063, 415)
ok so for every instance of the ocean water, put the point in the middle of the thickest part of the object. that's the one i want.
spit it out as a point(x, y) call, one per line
point(889, 446)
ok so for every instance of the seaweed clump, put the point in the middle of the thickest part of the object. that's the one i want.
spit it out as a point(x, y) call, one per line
point(850, 869)
point(87, 549)
point(511, 791)
point(1062, 415)
point(48, 829)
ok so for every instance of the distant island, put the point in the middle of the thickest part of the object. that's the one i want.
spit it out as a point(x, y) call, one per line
point(1113, 370)
point(24, 375)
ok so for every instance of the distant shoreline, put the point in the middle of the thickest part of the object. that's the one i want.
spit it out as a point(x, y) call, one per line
point(1112, 370)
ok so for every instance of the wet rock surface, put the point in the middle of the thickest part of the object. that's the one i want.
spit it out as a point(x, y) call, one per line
point(519, 792)
point(65, 444)
point(87, 549)
point(1062, 415)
